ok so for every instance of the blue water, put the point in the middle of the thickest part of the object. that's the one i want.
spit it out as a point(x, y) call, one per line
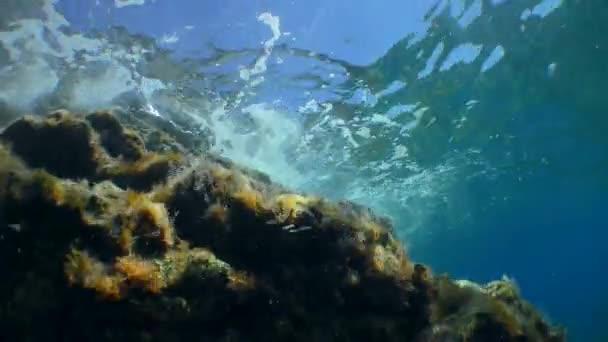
point(478, 127)
point(549, 237)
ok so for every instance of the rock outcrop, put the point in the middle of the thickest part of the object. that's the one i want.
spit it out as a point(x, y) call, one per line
point(104, 238)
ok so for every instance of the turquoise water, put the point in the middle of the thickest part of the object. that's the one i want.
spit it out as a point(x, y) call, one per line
point(481, 131)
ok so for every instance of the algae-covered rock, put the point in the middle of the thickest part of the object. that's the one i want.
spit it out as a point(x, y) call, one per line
point(99, 243)
point(95, 147)
point(60, 143)
point(116, 140)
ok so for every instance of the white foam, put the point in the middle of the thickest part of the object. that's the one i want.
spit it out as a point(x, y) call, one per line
point(312, 106)
point(149, 86)
point(169, 38)
point(471, 103)
point(53, 18)
point(274, 23)
point(268, 146)
point(100, 90)
point(260, 65)
point(31, 77)
point(432, 61)
point(22, 84)
point(396, 110)
point(463, 53)
point(546, 7)
point(382, 119)
point(418, 113)
point(471, 13)
point(125, 3)
point(364, 132)
point(400, 152)
point(493, 58)
point(392, 88)
point(551, 69)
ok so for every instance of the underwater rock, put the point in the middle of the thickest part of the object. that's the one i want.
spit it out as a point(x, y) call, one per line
point(161, 134)
point(60, 143)
point(99, 242)
point(114, 138)
point(95, 148)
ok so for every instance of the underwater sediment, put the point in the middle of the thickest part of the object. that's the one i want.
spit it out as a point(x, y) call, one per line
point(113, 229)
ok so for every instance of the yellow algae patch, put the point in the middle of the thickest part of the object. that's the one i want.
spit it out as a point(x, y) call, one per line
point(9, 163)
point(373, 231)
point(217, 211)
point(378, 258)
point(220, 173)
point(162, 192)
point(239, 280)
point(81, 268)
point(50, 185)
point(142, 164)
point(157, 214)
point(230, 183)
point(56, 192)
point(386, 262)
point(134, 198)
point(125, 240)
point(293, 201)
point(142, 217)
point(70, 194)
point(290, 205)
point(251, 199)
point(80, 263)
point(109, 286)
point(143, 273)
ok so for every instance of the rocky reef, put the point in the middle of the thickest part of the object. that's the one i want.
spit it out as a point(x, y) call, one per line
point(114, 230)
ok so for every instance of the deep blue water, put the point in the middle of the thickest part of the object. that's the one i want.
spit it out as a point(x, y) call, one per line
point(549, 241)
point(549, 235)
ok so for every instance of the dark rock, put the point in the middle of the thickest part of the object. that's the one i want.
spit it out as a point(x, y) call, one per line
point(114, 138)
point(95, 148)
point(60, 143)
point(128, 250)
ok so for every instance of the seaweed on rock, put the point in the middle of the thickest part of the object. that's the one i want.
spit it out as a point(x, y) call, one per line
point(95, 147)
point(112, 244)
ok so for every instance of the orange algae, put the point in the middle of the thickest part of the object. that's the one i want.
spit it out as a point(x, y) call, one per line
point(143, 217)
point(218, 212)
point(249, 198)
point(81, 268)
point(125, 240)
point(378, 259)
point(156, 214)
point(239, 280)
point(140, 272)
point(108, 286)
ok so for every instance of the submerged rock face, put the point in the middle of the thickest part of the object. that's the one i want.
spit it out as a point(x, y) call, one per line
point(95, 148)
point(102, 239)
